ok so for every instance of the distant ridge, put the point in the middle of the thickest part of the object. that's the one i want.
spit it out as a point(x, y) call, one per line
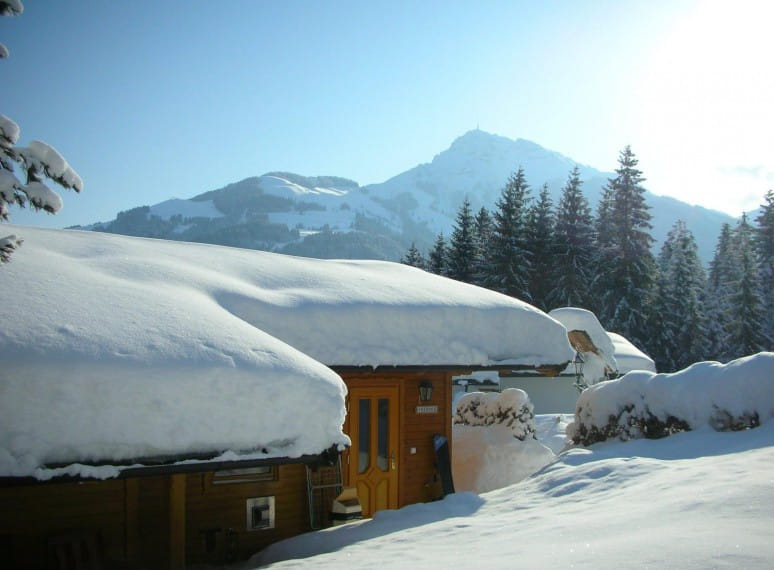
point(332, 216)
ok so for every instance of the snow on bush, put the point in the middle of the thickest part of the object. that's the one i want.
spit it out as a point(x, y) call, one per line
point(728, 397)
point(510, 408)
point(494, 441)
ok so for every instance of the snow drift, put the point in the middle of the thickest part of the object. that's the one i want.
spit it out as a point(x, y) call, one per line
point(494, 441)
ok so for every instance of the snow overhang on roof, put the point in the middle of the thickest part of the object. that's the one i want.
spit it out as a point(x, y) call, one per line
point(629, 357)
point(116, 347)
point(586, 334)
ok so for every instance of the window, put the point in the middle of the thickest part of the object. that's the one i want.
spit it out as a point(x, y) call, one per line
point(246, 475)
point(260, 513)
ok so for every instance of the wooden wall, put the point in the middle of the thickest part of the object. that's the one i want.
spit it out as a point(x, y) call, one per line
point(130, 519)
point(223, 506)
point(33, 515)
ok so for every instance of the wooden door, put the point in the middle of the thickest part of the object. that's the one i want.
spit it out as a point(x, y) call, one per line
point(373, 458)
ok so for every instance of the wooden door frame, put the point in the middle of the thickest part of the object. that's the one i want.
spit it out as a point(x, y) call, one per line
point(389, 389)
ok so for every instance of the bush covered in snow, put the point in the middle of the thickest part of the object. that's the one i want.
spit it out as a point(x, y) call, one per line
point(728, 397)
point(510, 408)
point(495, 441)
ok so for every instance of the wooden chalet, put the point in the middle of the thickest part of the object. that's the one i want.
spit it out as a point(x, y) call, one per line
point(214, 506)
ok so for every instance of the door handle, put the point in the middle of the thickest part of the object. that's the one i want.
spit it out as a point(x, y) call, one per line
point(392, 460)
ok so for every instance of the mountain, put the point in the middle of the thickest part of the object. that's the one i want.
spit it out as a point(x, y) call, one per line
point(328, 216)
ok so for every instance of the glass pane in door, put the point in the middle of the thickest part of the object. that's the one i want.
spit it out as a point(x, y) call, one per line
point(364, 435)
point(383, 434)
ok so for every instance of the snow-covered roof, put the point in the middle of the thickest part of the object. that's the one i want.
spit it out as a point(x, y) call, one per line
point(628, 356)
point(574, 318)
point(115, 348)
point(600, 361)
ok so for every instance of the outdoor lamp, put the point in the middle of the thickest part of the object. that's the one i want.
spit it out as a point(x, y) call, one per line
point(425, 391)
point(578, 363)
point(580, 381)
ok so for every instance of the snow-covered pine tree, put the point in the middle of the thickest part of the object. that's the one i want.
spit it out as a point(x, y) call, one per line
point(679, 335)
point(745, 326)
point(603, 255)
point(723, 273)
point(574, 247)
point(436, 258)
point(413, 257)
point(38, 160)
point(764, 248)
point(625, 266)
point(509, 262)
point(540, 241)
point(483, 227)
point(461, 255)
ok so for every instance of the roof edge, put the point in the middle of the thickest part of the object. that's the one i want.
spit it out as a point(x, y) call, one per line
point(173, 465)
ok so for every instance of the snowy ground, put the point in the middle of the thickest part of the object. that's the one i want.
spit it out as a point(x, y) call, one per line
point(699, 499)
point(695, 499)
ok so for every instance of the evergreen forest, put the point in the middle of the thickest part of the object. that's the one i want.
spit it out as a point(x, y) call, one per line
point(666, 303)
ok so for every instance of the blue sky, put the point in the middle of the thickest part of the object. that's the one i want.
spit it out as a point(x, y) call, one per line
point(149, 101)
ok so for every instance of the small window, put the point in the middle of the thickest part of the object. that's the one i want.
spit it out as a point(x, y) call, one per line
point(246, 475)
point(260, 513)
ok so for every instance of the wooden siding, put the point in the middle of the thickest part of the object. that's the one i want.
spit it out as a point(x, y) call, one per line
point(134, 523)
point(33, 515)
point(224, 507)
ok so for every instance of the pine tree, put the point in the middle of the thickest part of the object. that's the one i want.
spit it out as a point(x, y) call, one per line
point(723, 274)
point(574, 247)
point(745, 326)
point(414, 257)
point(540, 241)
point(764, 249)
point(483, 227)
point(679, 327)
point(509, 263)
point(38, 161)
point(604, 253)
point(625, 266)
point(461, 256)
point(436, 259)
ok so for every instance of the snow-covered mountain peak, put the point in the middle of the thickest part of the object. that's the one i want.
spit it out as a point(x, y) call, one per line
point(330, 216)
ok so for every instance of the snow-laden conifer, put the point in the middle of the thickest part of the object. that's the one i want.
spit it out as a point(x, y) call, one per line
point(483, 227)
point(574, 246)
point(764, 248)
point(723, 274)
point(745, 324)
point(436, 258)
point(414, 257)
point(679, 335)
point(462, 247)
point(625, 265)
point(509, 262)
point(540, 240)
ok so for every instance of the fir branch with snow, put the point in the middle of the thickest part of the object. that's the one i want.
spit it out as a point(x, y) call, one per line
point(38, 161)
